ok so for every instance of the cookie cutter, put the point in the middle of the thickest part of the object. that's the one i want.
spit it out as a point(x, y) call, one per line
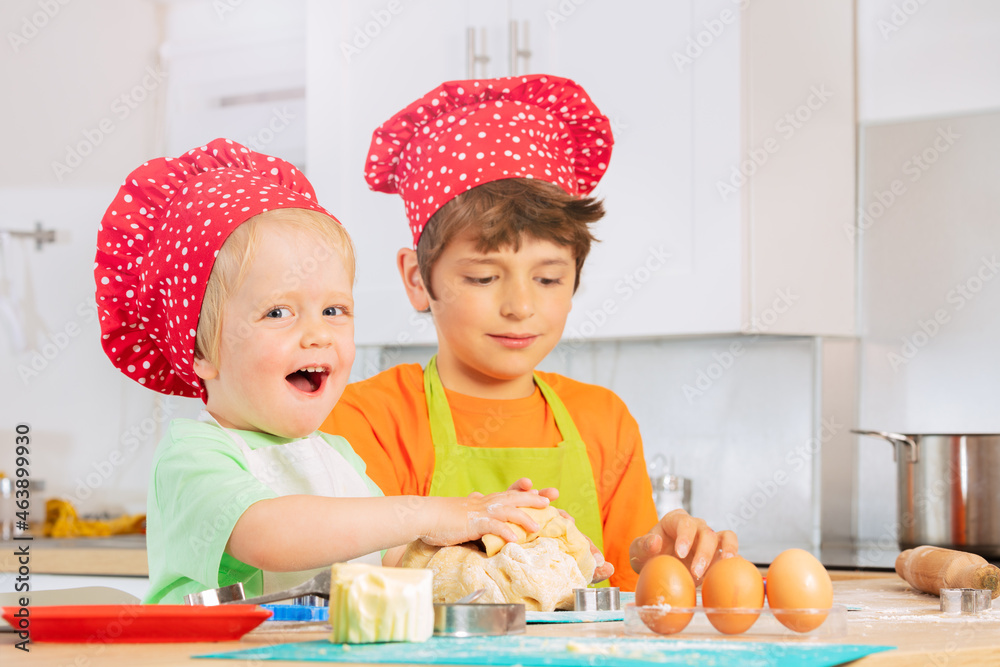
point(318, 585)
point(452, 619)
point(597, 599)
point(235, 593)
point(311, 601)
point(217, 596)
point(965, 600)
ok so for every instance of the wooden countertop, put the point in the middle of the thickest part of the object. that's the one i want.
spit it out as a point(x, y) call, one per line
point(119, 555)
point(891, 614)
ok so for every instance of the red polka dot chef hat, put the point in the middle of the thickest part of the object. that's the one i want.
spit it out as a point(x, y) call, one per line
point(467, 133)
point(157, 244)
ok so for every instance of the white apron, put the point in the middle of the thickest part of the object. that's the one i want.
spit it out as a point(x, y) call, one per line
point(309, 466)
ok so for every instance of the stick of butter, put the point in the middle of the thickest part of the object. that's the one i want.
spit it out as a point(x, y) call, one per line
point(369, 604)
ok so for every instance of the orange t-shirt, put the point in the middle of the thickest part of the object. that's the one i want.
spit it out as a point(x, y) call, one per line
point(385, 420)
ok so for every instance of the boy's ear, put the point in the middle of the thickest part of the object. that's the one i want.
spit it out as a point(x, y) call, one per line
point(205, 369)
point(409, 271)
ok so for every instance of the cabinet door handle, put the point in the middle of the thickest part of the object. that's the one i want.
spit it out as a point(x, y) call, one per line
point(517, 52)
point(471, 57)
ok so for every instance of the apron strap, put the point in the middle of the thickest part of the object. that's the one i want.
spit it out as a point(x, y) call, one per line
point(439, 412)
point(206, 416)
point(567, 428)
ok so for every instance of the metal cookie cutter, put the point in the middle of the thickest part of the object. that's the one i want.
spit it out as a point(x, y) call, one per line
point(478, 620)
point(216, 596)
point(965, 600)
point(596, 599)
point(318, 585)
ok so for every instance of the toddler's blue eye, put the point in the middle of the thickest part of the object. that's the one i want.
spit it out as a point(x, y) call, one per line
point(277, 313)
point(333, 311)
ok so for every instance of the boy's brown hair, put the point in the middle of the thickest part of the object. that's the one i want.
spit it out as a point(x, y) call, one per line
point(502, 212)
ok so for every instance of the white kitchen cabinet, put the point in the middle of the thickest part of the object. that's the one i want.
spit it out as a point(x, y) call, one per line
point(798, 216)
point(367, 59)
point(235, 71)
point(730, 194)
point(927, 59)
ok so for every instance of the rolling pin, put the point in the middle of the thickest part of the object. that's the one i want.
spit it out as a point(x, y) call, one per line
point(930, 569)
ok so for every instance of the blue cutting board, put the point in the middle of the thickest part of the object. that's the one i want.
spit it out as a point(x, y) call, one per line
point(560, 651)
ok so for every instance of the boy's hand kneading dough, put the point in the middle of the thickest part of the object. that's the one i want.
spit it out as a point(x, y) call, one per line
point(540, 569)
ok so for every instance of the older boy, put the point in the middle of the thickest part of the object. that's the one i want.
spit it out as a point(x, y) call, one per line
point(494, 175)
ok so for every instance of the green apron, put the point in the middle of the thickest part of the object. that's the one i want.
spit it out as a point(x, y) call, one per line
point(460, 470)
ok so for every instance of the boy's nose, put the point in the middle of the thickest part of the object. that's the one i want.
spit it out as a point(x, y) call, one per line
point(316, 333)
point(518, 301)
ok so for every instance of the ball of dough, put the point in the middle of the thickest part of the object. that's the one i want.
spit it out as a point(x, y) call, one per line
point(554, 525)
point(539, 570)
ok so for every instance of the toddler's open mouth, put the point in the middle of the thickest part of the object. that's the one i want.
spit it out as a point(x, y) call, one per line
point(308, 379)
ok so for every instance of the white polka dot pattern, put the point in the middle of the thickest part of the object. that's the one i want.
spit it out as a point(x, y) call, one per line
point(157, 244)
point(466, 133)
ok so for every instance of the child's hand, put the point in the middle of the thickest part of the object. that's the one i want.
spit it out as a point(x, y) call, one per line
point(604, 569)
point(524, 484)
point(689, 539)
point(461, 520)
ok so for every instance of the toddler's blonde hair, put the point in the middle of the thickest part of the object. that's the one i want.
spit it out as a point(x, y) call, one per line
point(238, 252)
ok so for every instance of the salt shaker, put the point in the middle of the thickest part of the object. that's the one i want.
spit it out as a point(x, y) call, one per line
point(670, 491)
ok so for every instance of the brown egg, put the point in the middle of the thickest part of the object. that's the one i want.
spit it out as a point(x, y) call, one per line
point(732, 583)
point(796, 580)
point(664, 580)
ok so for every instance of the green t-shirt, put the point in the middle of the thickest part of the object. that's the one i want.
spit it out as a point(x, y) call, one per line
point(200, 487)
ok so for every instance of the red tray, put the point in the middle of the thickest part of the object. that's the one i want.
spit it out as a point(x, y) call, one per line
point(136, 623)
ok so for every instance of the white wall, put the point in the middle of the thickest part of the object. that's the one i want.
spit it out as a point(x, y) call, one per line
point(85, 83)
point(80, 90)
point(93, 430)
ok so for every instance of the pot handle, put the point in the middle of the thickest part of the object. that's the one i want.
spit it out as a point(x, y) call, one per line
point(893, 438)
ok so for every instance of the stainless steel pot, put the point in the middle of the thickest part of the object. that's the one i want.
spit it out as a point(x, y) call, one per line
point(948, 490)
